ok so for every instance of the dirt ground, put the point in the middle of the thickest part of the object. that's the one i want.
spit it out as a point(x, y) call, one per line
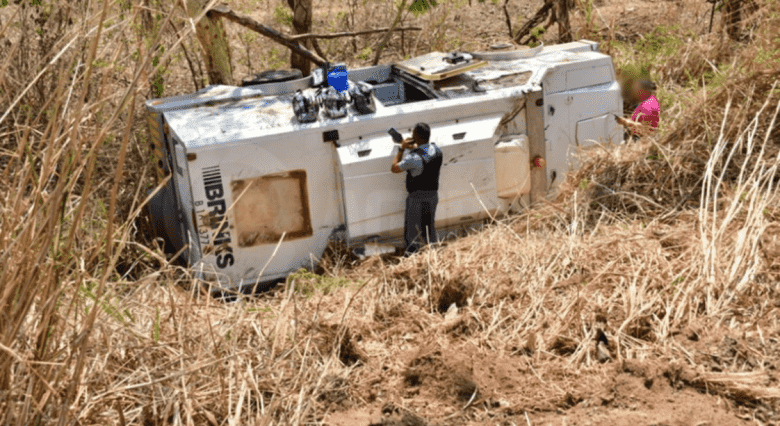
point(510, 391)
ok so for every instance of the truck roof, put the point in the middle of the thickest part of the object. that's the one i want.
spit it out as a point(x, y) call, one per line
point(219, 114)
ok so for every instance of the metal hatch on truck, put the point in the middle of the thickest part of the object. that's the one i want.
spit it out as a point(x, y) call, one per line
point(593, 130)
point(374, 197)
point(433, 67)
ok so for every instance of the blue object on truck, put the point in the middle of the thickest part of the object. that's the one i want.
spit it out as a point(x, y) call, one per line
point(337, 78)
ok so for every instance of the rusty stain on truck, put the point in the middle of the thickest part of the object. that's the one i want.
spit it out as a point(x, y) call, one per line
point(270, 206)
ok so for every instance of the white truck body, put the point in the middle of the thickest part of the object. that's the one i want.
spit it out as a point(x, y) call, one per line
point(255, 195)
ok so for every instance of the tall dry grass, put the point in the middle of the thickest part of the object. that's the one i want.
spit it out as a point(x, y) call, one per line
point(661, 246)
point(70, 86)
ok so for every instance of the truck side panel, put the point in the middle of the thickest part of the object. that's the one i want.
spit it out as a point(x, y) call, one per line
point(375, 197)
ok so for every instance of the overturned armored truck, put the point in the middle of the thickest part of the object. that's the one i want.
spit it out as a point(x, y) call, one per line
point(261, 178)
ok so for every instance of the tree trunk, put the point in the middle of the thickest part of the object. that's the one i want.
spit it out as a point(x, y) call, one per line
point(564, 28)
point(732, 17)
point(213, 39)
point(302, 20)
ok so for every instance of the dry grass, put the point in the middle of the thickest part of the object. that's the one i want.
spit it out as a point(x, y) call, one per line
point(664, 250)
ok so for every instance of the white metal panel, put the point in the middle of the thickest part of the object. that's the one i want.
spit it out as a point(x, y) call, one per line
point(574, 46)
point(568, 70)
point(602, 130)
point(374, 197)
point(559, 137)
point(513, 171)
point(181, 175)
point(588, 77)
point(594, 101)
point(466, 185)
point(555, 81)
point(563, 111)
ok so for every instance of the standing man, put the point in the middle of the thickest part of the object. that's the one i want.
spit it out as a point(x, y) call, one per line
point(421, 160)
point(647, 114)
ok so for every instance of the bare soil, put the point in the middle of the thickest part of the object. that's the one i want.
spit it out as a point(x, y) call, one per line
point(442, 381)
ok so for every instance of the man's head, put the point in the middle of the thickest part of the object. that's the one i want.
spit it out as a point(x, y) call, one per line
point(642, 89)
point(421, 133)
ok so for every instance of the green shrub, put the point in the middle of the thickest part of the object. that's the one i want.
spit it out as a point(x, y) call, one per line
point(283, 15)
point(308, 283)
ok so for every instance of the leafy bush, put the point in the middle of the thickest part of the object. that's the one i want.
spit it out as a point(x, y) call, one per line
point(283, 15)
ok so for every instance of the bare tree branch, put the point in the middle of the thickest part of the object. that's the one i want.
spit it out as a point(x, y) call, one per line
point(508, 19)
point(196, 78)
point(532, 23)
point(225, 12)
point(353, 33)
point(318, 49)
point(389, 33)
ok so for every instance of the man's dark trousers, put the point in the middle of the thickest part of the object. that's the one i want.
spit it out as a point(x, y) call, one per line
point(419, 219)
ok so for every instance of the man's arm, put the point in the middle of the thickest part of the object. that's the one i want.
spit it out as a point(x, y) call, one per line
point(404, 146)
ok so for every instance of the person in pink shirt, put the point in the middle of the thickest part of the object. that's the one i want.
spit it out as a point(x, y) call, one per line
point(647, 114)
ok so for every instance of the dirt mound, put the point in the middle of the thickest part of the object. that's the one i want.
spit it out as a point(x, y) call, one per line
point(463, 376)
point(389, 415)
point(633, 401)
point(645, 393)
point(444, 373)
point(440, 380)
point(341, 339)
point(454, 292)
